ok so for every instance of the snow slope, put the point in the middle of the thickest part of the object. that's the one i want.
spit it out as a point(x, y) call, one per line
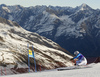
point(88, 72)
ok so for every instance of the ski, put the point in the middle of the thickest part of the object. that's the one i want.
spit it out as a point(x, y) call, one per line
point(74, 67)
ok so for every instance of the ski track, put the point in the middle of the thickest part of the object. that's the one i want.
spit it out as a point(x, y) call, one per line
point(87, 72)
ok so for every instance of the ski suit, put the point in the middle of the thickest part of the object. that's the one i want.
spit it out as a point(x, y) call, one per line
point(81, 60)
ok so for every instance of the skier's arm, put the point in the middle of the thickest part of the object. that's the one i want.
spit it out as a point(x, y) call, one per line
point(76, 56)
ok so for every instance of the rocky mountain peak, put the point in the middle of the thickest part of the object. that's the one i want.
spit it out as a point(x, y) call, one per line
point(84, 7)
point(2, 5)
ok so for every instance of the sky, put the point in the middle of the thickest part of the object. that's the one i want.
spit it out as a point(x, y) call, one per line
point(95, 4)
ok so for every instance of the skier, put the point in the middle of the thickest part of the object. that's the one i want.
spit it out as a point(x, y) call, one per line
point(81, 59)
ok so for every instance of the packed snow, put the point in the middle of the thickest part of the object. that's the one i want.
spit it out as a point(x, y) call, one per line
point(94, 71)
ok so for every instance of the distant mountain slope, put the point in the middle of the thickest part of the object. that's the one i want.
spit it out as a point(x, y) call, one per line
point(13, 48)
point(73, 28)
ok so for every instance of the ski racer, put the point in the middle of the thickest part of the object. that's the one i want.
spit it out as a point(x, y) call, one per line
point(81, 60)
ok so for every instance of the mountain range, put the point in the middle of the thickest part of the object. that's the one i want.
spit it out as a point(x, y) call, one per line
point(72, 28)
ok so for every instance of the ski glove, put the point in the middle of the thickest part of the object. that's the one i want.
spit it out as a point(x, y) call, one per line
point(72, 59)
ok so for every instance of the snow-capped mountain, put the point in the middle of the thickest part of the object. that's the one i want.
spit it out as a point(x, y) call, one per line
point(14, 51)
point(72, 28)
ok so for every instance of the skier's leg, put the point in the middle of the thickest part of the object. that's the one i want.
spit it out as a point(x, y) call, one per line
point(78, 62)
point(83, 62)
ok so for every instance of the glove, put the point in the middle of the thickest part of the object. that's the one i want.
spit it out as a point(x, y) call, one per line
point(72, 59)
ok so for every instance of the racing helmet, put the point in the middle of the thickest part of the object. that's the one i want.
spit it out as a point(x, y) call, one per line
point(76, 52)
